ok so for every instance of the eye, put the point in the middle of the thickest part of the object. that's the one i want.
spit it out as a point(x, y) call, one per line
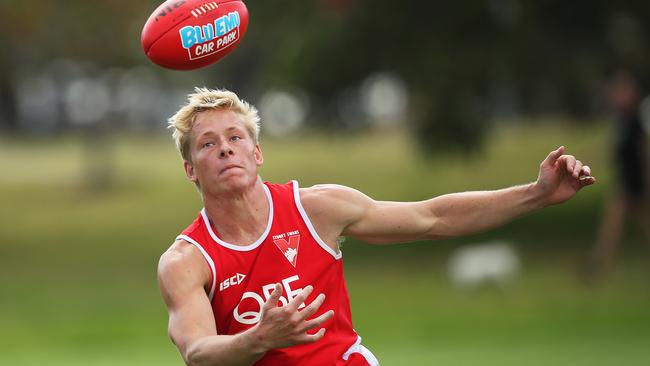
point(207, 144)
point(235, 138)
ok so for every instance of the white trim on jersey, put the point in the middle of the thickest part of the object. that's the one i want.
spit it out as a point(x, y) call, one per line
point(207, 258)
point(305, 218)
point(243, 248)
point(357, 347)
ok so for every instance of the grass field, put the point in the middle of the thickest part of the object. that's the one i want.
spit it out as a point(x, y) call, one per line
point(77, 265)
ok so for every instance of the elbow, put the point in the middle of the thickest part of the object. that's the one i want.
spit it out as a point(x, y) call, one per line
point(193, 355)
point(441, 230)
point(188, 357)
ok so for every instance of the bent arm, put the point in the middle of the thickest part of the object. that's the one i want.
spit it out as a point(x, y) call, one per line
point(182, 274)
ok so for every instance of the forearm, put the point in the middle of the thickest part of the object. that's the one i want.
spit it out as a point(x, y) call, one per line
point(227, 350)
point(471, 212)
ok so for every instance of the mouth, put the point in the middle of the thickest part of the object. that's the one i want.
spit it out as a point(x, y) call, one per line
point(229, 167)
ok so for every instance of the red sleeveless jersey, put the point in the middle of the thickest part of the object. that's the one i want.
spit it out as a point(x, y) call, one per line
point(289, 252)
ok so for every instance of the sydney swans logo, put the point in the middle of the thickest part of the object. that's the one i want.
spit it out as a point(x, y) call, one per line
point(288, 244)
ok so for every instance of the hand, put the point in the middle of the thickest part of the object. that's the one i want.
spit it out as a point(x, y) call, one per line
point(285, 326)
point(561, 177)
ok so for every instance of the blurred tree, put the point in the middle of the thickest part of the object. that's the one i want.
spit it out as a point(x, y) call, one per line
point(552, 55)
point(464, 63)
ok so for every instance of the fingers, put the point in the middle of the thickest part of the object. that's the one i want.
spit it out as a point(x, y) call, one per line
point(553, 156)
point(284, 325)
point(585, 176)
point(312, 308)
point(577, 167)
point(587, 180)
point(568, 161)
point(573, 166)
point(272, 301)
point(556, 162)
point(579, 171)
point(311, 338)
point(316, 322)
point(300, 298)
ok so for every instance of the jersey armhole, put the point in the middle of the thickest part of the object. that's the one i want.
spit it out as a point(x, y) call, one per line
point(312, 230)
point(209, 260)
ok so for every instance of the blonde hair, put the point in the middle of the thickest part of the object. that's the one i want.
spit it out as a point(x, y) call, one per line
point(204, 99)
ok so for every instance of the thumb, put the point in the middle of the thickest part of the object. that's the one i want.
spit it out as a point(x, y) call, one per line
point(553, 156)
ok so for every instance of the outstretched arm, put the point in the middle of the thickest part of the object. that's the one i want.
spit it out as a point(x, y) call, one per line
point(355, 214)
point(182, 275)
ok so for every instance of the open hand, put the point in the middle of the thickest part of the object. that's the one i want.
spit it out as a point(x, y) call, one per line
point(285, 326)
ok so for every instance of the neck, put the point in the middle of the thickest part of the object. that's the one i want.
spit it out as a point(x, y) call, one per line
point(239, 217)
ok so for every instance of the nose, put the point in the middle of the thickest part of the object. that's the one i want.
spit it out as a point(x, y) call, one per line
point(225, 151)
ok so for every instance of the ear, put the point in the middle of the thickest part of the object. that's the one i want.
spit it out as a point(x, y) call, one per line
point(189, 171)
point(259, 159)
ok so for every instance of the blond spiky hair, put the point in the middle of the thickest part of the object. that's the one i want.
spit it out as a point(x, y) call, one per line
point(204, 99)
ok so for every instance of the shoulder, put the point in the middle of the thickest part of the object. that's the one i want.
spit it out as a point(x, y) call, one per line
point(182, 262)
point(325, 193)
point(334, 201)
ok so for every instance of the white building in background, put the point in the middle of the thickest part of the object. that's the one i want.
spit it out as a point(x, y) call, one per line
point(384, 99)
point(282, 111)
point(494, 262)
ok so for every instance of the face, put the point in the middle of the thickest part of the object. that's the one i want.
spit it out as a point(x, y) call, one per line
point(225, 157)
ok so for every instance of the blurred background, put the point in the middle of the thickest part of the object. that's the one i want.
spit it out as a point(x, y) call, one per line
point(402, 100)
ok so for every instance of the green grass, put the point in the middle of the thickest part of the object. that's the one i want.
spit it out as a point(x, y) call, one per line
point(77, 266)
point(545, 318)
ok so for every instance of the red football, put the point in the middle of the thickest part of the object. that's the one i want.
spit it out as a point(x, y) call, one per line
point(188, 34)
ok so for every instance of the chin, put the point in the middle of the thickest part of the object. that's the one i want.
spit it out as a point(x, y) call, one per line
point(235, 183)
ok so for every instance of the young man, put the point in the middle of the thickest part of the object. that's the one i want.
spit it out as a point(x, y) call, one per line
point(258, 277)
point(629, 199)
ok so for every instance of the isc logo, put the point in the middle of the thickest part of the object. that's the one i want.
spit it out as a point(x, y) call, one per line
point(231, 281)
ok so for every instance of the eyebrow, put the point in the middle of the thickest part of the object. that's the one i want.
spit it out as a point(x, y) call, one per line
point(236, 128)
point(211, 133)
point(206, 133)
